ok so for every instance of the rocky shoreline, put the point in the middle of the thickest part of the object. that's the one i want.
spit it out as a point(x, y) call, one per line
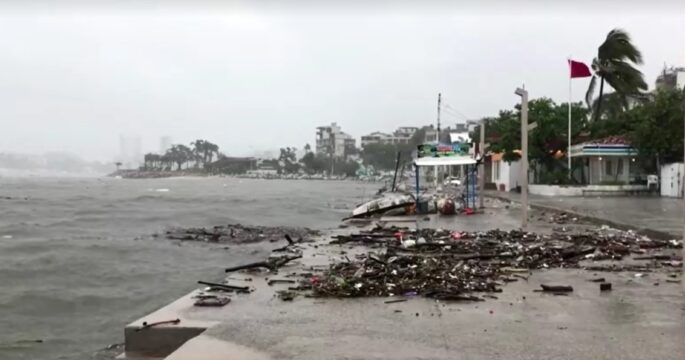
point(144, 174)
point(156, 174)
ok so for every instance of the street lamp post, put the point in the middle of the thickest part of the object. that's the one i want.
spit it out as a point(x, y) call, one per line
point(524, 156)
point(481, 179)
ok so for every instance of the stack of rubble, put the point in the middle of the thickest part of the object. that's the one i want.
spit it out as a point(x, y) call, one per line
point(454, 265)
point(240, 234)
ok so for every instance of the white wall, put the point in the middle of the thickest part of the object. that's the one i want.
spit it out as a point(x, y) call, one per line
point(598, 173)
point(555, 190)
point(672, 179)
point(508, 174)
point(680, 79)
point(587, 190)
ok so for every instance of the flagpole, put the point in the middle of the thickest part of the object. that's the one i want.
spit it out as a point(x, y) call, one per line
point(568, 150)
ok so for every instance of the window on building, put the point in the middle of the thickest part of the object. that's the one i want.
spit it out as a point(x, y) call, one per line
point(619, 167)
point(496, 164)
point(608, 167)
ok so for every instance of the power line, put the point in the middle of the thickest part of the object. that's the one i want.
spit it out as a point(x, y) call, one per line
point(448, 106)
point(455, 114)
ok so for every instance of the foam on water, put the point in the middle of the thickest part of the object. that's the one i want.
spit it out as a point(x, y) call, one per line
point(81, 261)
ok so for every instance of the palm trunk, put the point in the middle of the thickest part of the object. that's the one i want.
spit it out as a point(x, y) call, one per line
point(599, 100)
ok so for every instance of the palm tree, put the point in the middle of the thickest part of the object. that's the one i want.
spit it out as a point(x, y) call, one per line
point(148, 161)
point(614, 64)
point(210, 150)
point(199, 148)
point(166, 160)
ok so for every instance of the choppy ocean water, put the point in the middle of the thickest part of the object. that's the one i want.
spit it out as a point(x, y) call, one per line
point(78, 262)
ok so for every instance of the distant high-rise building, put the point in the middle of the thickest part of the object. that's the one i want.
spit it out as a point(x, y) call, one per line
point(331, 140)
point(401, 136)
point(164, 144)
point(671, 78)
point(130, 153)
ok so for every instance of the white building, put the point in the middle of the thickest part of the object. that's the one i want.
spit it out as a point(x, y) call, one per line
point(505, 175)
point(406, 131)
point(402, 135)
point(671, 78)
point(165, 144)
point(130, 153)
point(332, 140)
point(376, 137)
point(432, 136)
point(607, 160)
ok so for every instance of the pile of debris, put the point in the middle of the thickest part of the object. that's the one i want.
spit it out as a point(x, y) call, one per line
point(562, 218)
point(240, 234)
point(453, 265)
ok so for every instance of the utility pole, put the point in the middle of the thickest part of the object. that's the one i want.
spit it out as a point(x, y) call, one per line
point(438, 139)
point(524, 156)
point(332, 147)
point(481, 150)
point(439, 100)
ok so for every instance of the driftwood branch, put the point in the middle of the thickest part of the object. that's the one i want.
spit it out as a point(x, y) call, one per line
point(271, 264)
point(556, 288)
point(224, 286)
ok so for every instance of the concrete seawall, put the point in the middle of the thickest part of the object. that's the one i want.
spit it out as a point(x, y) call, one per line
point(637, 320)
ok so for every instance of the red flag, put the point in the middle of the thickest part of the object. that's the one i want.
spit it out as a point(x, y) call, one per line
point(578, 69)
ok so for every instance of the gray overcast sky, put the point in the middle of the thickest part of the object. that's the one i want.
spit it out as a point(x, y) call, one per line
point(72, 78)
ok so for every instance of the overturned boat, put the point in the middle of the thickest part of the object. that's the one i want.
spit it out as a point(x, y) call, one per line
point(386, 202)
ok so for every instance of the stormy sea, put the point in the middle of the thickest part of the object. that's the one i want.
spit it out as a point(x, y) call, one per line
point(79, 259)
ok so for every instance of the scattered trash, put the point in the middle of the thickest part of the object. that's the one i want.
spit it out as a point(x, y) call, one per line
point(653, 257)
point(212, 301)
point(280, 281)
point(225, 287)
point(240, 234)
point(395, 301)
point(35, 341)
point(432, 263)
point(271, 264)
point(562, 218)
point(408, 243)
point(556, 288)
point(286, 295)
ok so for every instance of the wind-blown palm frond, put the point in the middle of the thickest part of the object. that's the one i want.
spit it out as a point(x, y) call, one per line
point(590, 94)
point(624, 78)
point(614, 63)
point(617, 46)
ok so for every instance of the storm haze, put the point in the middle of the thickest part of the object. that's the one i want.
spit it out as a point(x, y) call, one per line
point(253, 78)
